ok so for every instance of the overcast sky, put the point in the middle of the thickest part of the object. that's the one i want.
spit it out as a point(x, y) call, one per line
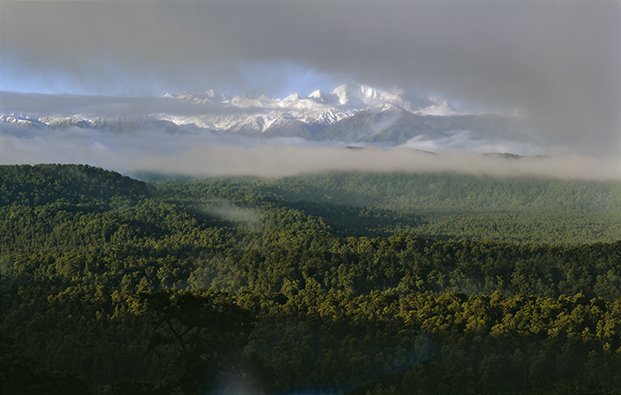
point(558, 62)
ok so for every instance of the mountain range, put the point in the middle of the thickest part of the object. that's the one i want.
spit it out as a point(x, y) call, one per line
point(350, 113)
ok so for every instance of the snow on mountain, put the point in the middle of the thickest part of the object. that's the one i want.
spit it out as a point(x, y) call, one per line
point(78, 121)
point(350, 112)
point(318, 109)
point(349, 95)
point(21, 120)
point(258, 120)
point(247, 113)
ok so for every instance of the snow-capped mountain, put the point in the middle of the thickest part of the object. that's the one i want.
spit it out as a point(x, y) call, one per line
point(317, 110)
point(22, 120)
point(348, 113)
point(344, 95)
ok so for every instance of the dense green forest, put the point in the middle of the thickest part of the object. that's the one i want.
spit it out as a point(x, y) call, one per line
point(317, 284)
point(435, 205)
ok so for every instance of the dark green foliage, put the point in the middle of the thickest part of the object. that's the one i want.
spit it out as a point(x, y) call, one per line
point(302, 285)
point(432, 205)
point(42, 184)
point(21, 375)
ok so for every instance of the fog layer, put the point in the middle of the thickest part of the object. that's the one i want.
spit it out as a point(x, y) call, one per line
point(208, 155)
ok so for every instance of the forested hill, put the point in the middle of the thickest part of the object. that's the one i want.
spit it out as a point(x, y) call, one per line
point(454, 192)
point(47, 183)
point(409, 192)
point(311, 284)
point(431, 205)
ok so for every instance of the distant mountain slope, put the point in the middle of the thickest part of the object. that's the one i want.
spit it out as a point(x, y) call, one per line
point(353, 113)
point(409, 193)
point(438, 205)
point(41, 184)
point(453, 192)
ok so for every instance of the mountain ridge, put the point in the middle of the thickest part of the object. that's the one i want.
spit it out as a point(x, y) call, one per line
point(349, 113)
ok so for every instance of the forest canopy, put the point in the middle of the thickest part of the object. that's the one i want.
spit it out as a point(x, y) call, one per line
point(344, 283)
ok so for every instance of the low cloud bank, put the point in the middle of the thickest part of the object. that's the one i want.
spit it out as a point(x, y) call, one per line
point(209, 155)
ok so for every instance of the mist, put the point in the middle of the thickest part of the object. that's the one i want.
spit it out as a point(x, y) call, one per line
point(205, 154)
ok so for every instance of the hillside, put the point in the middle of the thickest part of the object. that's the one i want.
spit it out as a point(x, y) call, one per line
point(443, 205)
point(46, 183)
point(304, 285)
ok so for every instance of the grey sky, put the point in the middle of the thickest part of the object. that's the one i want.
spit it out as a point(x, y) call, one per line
point(557, 61)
